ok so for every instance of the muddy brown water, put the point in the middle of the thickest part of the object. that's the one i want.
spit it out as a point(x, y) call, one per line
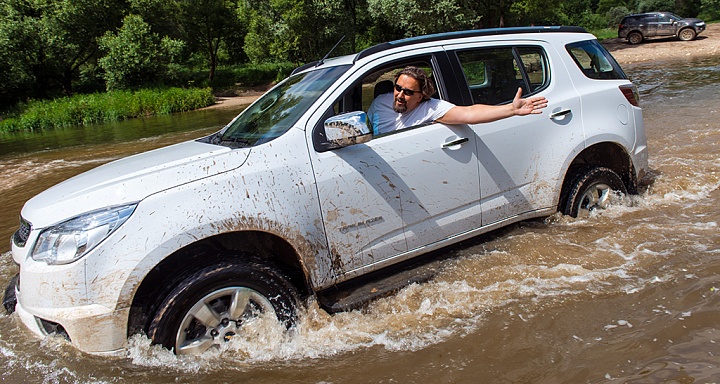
point(631, 295)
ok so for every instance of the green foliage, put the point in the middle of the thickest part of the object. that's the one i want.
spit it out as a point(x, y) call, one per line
point(593, 21)
point(56, 38)
point(541, 12)
point(252, 74)
point(208, 23)
point(136, 56)
point(614, 15)
point(604, 6)
point(105, 107)
point(53, 47)
point(710, 10)
point(656, 5)
point(423, 16)
point(293, 30)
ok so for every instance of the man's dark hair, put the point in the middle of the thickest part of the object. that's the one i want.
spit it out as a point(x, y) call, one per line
point(426, 86)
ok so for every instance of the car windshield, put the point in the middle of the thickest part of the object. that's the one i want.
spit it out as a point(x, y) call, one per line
point(278, 110)
point(673, 16)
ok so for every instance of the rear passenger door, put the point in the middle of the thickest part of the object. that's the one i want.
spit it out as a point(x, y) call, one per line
point(520, 158)
point(652, 25)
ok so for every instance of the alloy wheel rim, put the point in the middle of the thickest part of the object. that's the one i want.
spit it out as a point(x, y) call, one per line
point(217, 317)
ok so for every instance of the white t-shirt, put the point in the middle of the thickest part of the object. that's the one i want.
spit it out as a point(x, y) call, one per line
point(384, 119)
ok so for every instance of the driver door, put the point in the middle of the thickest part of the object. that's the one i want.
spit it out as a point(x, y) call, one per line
point(398, 192)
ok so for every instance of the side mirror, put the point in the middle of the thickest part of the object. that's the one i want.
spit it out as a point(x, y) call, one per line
point(347, 129)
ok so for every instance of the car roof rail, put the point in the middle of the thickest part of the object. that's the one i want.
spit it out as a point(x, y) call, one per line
point(445, 35)
point(467, 33)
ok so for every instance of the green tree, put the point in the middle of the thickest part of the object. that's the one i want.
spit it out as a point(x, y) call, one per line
point(604, 6)
point(163, 16)
point(710, 9)
point(614, 15)
point(54, 39)
point(688, 8)
point(298, 30)
point(541, 12)
point(16, 79)
point(136, 56)
point(656, 5)
point(419, 17)
point(207, 24)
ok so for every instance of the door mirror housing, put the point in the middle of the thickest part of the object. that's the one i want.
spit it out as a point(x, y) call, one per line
point(348, 129)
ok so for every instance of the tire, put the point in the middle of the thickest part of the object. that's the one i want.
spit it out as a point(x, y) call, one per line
point(635, 38)
point(208, 307)
point(686, 34)
point(589, 189)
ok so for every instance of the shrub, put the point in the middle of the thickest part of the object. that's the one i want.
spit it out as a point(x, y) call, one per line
point(105, 107)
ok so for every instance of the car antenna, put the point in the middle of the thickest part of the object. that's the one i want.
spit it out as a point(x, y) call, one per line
point(322, 61)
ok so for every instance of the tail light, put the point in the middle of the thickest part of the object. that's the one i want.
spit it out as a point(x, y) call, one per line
point(631, 94)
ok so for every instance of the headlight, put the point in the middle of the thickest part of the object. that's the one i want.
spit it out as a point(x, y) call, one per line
point(71, 240)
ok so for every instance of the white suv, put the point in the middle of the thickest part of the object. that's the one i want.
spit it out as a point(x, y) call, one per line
point(297, 197)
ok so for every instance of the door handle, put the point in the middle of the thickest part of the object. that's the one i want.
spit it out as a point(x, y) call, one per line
point(560, 115)
point(455, 142)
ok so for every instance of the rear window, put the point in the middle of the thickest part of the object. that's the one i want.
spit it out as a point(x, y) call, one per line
point(595, 61)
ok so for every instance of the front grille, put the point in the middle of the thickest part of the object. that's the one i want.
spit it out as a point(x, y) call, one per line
point(21, 235)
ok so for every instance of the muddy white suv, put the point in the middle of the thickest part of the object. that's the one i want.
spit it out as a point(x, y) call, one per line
point(297, 197)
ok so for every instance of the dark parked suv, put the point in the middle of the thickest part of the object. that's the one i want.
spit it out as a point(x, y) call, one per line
point(635, 28)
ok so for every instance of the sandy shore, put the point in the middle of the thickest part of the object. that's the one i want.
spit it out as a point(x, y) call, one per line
point(664, 49)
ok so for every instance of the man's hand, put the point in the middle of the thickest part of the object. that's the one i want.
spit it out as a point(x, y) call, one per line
point(532, 105)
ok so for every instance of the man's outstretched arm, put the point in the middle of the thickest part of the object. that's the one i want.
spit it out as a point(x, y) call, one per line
point(481, 113)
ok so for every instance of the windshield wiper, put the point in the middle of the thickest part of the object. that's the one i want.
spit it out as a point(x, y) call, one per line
point(239, 142)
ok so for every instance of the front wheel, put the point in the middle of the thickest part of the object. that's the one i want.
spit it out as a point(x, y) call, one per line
point(590, 189)
point(211, 306)
point(686, 34)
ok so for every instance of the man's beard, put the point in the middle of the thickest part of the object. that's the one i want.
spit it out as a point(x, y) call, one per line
point(399, 107)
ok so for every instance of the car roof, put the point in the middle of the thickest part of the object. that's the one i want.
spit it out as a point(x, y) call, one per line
point(463, 34)
point(350, 59)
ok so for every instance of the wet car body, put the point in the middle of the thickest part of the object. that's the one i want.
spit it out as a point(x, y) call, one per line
point(297, 196)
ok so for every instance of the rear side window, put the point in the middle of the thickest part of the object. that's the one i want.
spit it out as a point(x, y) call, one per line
point(595, 61)
point(493, 75)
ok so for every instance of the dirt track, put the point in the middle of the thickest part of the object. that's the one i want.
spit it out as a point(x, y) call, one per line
point(664, 49)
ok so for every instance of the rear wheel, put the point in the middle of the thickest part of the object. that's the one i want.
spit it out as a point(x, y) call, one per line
point(635, 38)
point(590, 188)
point(686, 34)
point(213, 304)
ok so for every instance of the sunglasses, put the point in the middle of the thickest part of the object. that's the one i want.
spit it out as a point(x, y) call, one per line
point(408, 92)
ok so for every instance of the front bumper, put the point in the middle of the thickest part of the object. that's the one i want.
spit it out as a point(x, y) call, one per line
point(46, 302)
point(93, 329)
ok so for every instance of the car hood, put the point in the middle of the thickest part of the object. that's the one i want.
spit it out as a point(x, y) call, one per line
point(690, 21)
point(131, 179)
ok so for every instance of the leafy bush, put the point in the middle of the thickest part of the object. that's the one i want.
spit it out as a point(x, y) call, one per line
point(246, 75)
point(136, 56)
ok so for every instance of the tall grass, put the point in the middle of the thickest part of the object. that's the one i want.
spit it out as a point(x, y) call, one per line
point(105, 107)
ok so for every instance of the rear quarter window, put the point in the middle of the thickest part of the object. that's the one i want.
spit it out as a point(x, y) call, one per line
point(493, 75)
point(595, 61)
